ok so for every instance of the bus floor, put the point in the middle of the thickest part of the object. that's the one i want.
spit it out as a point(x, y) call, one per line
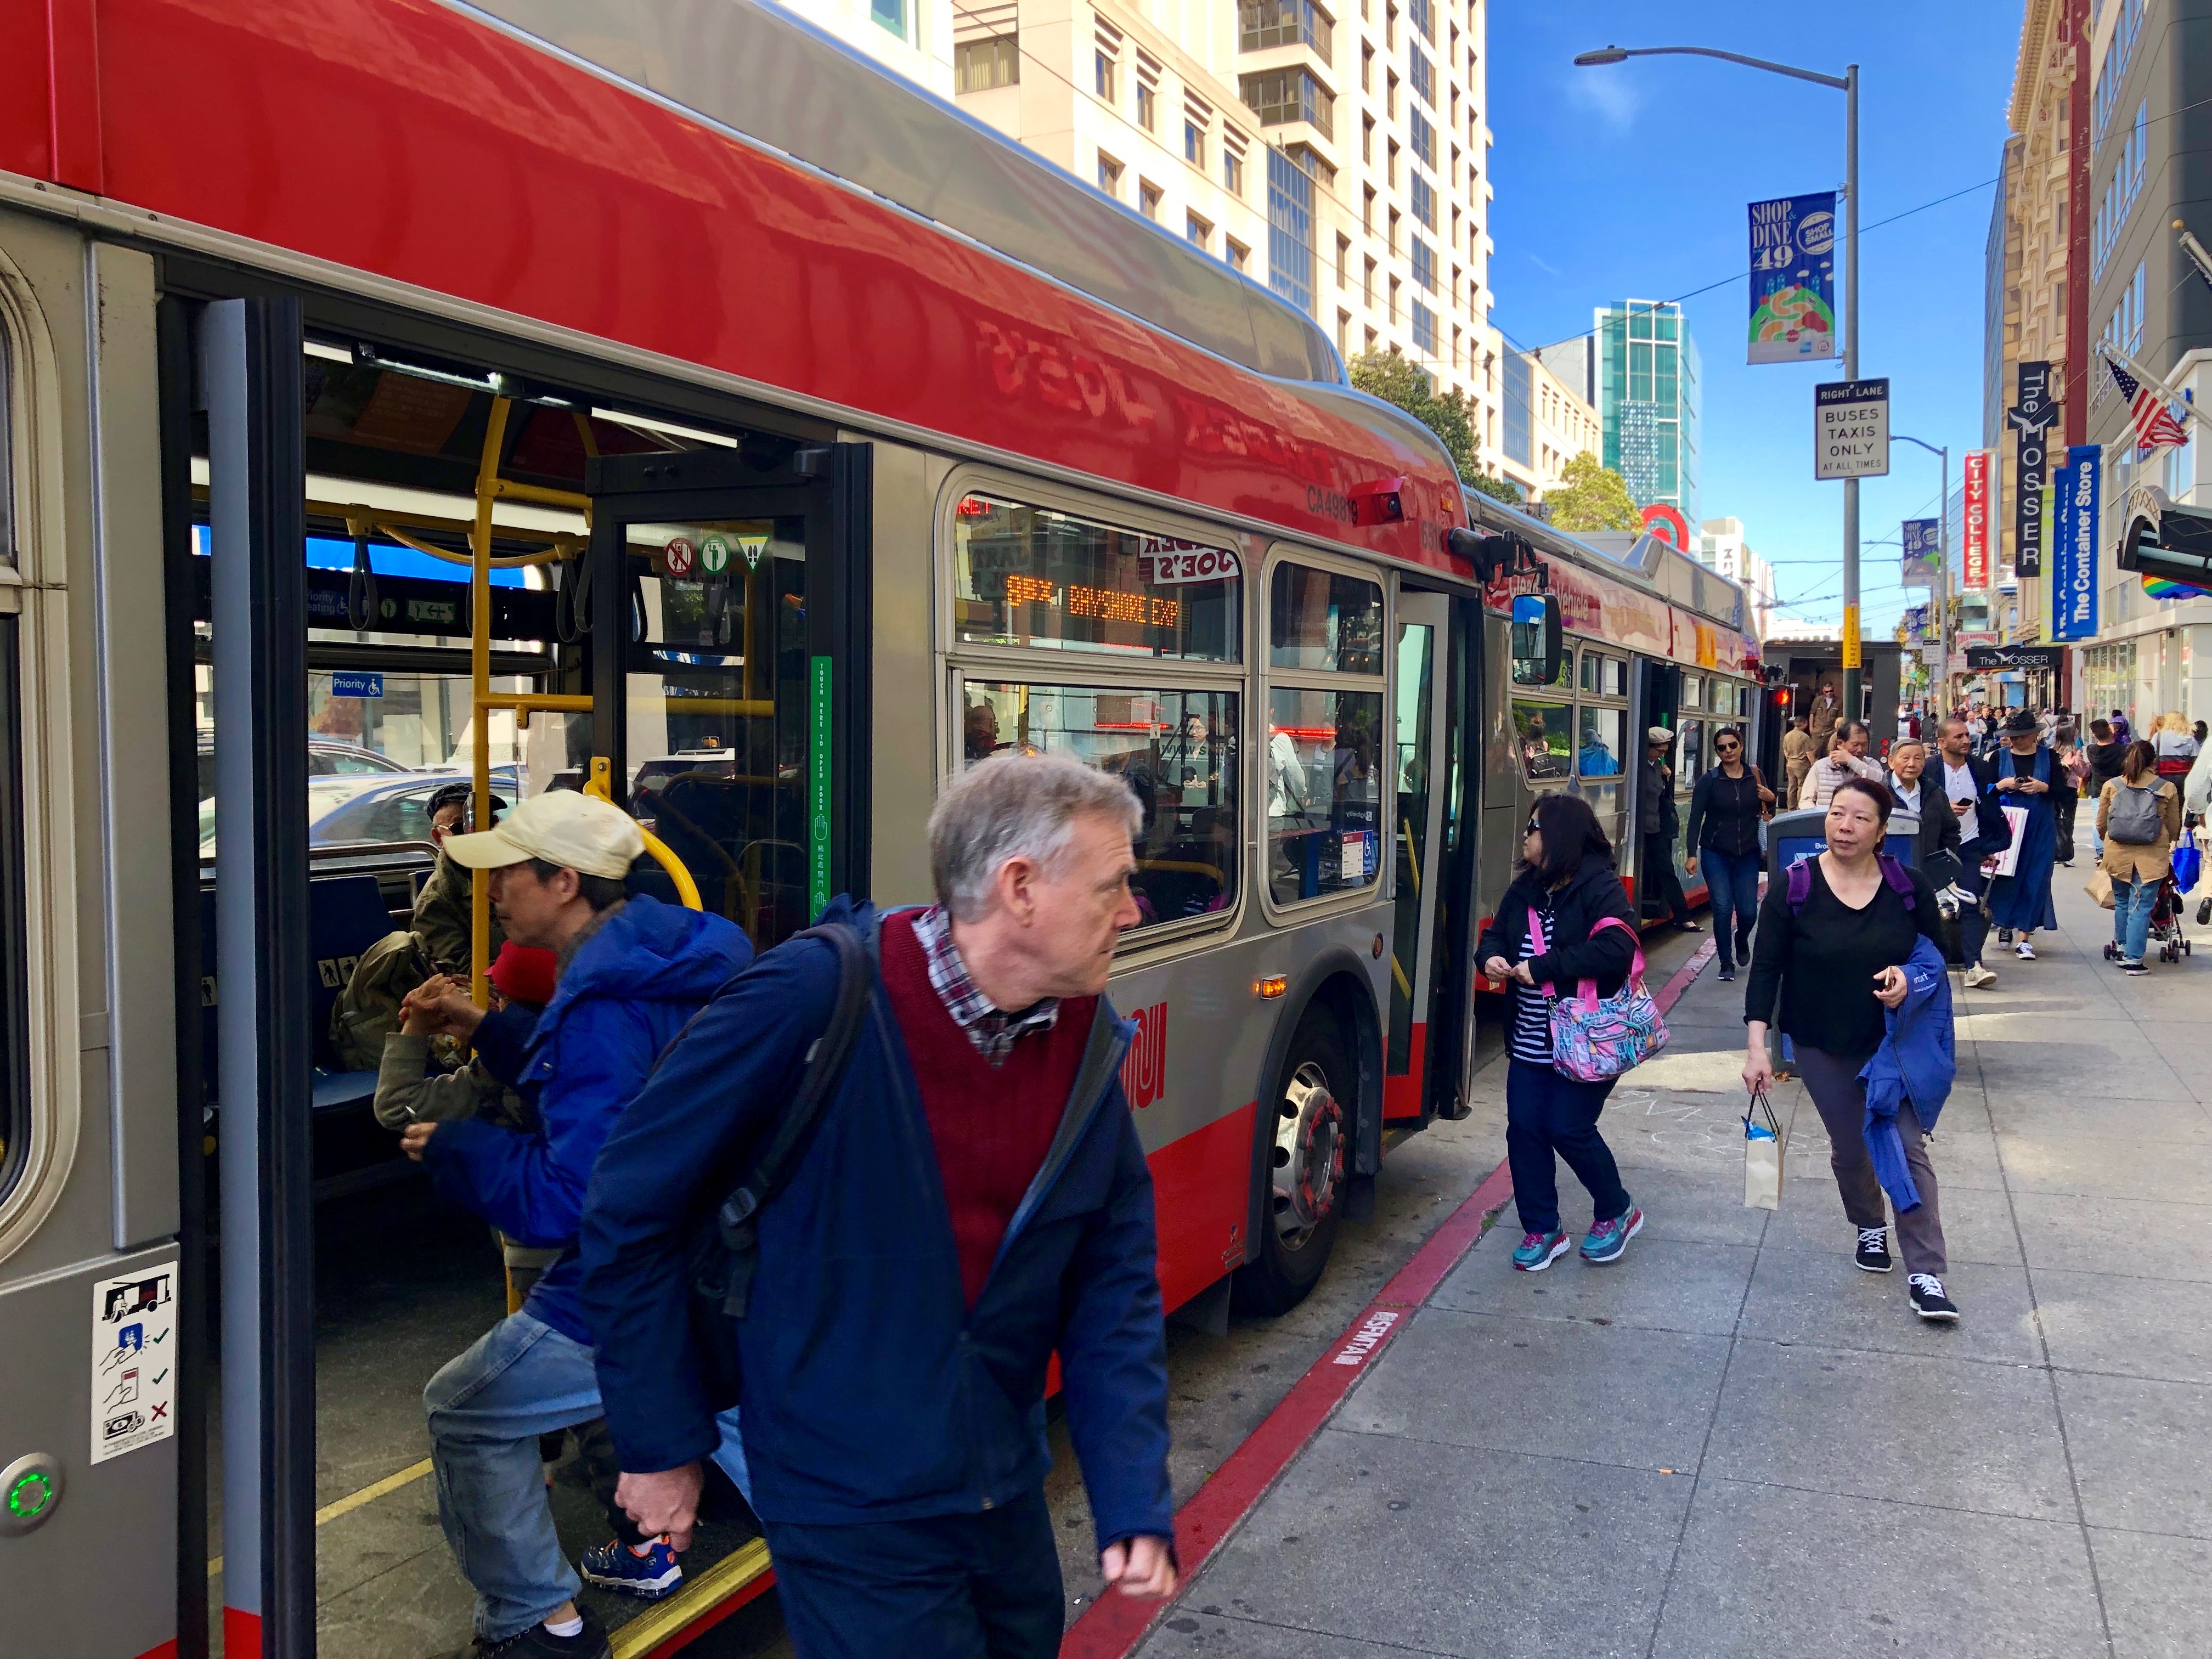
point(403, 1282)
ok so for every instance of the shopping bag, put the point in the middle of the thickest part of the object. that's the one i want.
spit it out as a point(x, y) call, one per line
point(2188, 862)
point(2008, 862)
point(2099, 887)
point(1764, 1145)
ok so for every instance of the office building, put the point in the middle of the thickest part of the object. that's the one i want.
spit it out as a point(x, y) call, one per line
point(1720, 547)
point(1638, 368)
point(1546, 423)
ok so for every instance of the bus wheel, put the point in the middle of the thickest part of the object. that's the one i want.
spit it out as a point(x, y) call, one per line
point(1306, 1167)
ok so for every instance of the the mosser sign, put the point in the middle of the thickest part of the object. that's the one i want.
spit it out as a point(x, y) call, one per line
point(2015, 656)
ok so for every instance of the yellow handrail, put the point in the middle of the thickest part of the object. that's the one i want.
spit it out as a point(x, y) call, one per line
point(686, 889)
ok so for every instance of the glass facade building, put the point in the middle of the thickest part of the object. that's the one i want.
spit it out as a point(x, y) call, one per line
point(1290, 230)
point(1649, 401)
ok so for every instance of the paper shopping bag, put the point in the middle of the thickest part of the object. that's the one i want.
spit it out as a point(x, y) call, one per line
point(2007, 862)
point(2099, 887)
point(1764, 1145)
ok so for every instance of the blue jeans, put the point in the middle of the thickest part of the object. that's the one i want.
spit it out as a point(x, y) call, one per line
point(486, 1407)
point(1733, 880)
point(1548, 1113)
point(2132, 903)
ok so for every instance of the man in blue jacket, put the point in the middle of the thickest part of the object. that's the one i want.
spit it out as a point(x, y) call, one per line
point(974, 1200)
point(631, 972)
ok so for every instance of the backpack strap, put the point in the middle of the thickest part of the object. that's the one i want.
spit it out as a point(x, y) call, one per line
point(1898, 878)
point(775, 1159)
point(1800, 887)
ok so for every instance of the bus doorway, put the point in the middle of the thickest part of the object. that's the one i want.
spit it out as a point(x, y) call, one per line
point(415, 576)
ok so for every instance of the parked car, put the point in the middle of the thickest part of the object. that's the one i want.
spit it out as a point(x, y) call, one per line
point(327, 758)
point(375, 807)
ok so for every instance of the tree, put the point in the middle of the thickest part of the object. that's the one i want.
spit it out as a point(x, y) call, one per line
point(1590, 495)
point(1497, 489)
point(1391, 376)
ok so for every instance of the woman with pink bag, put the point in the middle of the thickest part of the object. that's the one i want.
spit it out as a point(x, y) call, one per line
point(1566, 919)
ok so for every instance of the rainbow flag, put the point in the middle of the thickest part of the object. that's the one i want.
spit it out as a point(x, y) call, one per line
point(2159, 588)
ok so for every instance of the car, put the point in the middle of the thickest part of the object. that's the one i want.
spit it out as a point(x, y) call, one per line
point(327, 758)
point(372, 808)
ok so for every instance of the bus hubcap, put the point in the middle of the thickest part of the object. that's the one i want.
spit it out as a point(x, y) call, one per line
point(1309, 1153)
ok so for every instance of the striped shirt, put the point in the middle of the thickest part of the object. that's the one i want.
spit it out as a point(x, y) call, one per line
point(1531, 1037)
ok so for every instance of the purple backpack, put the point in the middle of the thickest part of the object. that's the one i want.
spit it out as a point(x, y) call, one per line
point(1894, 875)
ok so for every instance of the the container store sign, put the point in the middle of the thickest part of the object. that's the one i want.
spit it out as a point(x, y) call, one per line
point(1974, 557)
point(1793, 279)
point(2074, 556)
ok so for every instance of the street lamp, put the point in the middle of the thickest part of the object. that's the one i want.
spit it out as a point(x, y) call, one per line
point(1848, 84)
point(1942, 571)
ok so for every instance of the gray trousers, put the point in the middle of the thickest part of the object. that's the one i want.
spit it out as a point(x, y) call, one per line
point(1832, 1080)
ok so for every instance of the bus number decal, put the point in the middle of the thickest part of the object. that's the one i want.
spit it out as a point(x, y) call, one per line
point(1173, 562)
point(1145, 1067)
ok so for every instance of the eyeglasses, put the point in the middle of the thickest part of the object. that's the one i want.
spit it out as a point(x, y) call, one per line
point(1530, 827)
point(1727, 748)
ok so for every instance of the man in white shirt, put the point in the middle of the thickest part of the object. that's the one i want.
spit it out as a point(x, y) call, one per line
point(1849, 760)
point(1965, 782)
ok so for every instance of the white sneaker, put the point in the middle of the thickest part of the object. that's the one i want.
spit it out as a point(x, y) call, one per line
point(2026, 952)
point(1978, 976)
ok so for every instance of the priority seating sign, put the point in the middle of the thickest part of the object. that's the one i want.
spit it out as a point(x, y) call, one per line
point(1850, 430)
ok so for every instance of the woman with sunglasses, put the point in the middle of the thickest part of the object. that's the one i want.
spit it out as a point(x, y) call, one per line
point(1725, 808)
point(1545, 934)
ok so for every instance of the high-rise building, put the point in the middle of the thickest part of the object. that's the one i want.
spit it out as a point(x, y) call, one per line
point(1548, 422)
point(1638, 368)
point(1720, 547)
point(1341, 160)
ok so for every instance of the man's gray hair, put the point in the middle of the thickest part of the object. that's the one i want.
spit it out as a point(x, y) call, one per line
point(1013, 806)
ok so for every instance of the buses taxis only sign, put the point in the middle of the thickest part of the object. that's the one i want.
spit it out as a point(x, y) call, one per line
point(1850, 430)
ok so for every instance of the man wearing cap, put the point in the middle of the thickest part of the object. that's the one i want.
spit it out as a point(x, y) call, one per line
point(631, 972)
point(1660, 889)
point(443, 918)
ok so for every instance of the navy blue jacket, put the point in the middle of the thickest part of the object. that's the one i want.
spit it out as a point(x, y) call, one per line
point(1917, 1061)
point(871, 1391)
point(622, 999)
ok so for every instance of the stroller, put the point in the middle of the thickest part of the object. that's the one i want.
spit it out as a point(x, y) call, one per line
point(2166, 936)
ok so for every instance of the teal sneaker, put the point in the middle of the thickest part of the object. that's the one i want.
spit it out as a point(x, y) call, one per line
point(1609, 1239)
point(1539, 1251)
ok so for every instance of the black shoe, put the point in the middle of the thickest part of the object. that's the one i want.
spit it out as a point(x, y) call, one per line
point(538, 1642)
point(1727, 972)
point(1929, 1300)
point(1689, 926)
point(1874, 1250)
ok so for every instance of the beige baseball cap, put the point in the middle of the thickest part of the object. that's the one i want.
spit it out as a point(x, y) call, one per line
point(577, 831)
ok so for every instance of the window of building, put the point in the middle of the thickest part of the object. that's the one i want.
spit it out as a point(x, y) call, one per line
point(1390, 27)
point(1232, 161)
point(1031, 575)
point(893, 16)
point(1393, 311)
point(1344, 334)
point(981, 65)
point(1148, 105)
point(1422, 73)
point(1392, 173)
point(1396, 218)
point(1264, 23)
point(2123, 329)
point(1390, 94)
point(2118, 52)
point(1239, 257)
point(1367, 297)
point(1424, 201)
point(2120, 191)
point(1148, 198)
point(1424, 328)
point(1367, 139)
point(1343, 261)
point(1425, 264)
point(1517, 424)
point(1290, 230)
point(1285, 95)
point(1193, 143)
point(1108, 76)
point(1366, 67)
point(1197, 229)
point(1325, 733)
point(1367, 209)
point(1109, 175)
point(1424, 137)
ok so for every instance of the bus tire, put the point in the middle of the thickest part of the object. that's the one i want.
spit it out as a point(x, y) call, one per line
point(1305, 1166)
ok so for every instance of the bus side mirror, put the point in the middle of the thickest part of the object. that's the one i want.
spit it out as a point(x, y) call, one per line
point(1536, 643)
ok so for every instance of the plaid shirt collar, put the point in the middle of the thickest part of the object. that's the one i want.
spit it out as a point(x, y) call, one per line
point(993, 1031)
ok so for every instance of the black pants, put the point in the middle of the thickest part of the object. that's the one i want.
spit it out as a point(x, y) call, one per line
point(1973, 926)
point(1549, 1114)
point(983, 1586)
point(1662, 891)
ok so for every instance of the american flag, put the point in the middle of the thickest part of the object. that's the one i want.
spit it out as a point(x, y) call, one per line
point(2155, 428)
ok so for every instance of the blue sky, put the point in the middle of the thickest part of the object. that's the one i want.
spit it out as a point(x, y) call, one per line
point(1632, 179)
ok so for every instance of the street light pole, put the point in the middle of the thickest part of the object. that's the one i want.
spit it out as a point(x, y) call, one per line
point(1848, 84)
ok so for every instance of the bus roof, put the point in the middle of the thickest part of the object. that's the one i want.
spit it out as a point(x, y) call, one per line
point(1656, 567)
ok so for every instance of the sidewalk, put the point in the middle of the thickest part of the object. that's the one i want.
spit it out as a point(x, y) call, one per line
point(1733, 1444)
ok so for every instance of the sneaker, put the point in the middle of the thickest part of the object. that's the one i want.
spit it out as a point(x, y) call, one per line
point(538, 1642)
point(1978, 976)
point(1539, 1251)
point(1928, 1298)
point(650, 1572)
point(1608, 1240)
point(1727, 972)
point(2133, 969)
point(2004, 935)
point(1874, 1250)
point(2026, 952)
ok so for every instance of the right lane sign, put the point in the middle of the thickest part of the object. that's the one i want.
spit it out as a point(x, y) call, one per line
point(1850, 430)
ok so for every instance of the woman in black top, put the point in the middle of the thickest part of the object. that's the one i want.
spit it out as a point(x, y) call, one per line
point(2103, 754)
point(1836, 961)
point(1725, 808)
point(1564, 886)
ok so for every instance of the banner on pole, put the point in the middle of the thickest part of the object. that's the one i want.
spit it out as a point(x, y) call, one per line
point(1793, 279)
point(1974, 556)
point(1923, 552)
point(2073, 558)
point(2030, 417)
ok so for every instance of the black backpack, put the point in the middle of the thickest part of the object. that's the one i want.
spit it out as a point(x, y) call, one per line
point(721, 1244)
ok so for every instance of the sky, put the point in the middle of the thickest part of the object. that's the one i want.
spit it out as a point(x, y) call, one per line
point(1632, 180)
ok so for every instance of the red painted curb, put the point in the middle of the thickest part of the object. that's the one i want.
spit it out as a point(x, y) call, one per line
point(1114, 1624)
point(1671, 992)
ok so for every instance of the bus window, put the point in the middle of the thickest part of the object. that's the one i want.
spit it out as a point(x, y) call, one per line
point(1598, 748)
point(1613, 676)
point(1323, 620)
point(1689, 756)
point(1028, 576)
point(15, 1014)
point(1176, 750)
point(1544, 733)
point(1693, 691)
point(1324, 796)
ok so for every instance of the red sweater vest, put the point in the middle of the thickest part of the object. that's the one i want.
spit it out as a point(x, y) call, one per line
point(991, 1125)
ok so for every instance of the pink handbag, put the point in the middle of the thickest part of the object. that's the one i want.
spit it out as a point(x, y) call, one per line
point(1593, 1040)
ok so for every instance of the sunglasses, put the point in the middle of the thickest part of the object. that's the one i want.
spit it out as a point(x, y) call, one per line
point(1728, 748)
point(1531, 828)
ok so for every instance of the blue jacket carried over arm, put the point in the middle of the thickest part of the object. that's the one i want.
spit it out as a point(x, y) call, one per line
point(1917, 1061)
point(622, 999)
point(871, 1391)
